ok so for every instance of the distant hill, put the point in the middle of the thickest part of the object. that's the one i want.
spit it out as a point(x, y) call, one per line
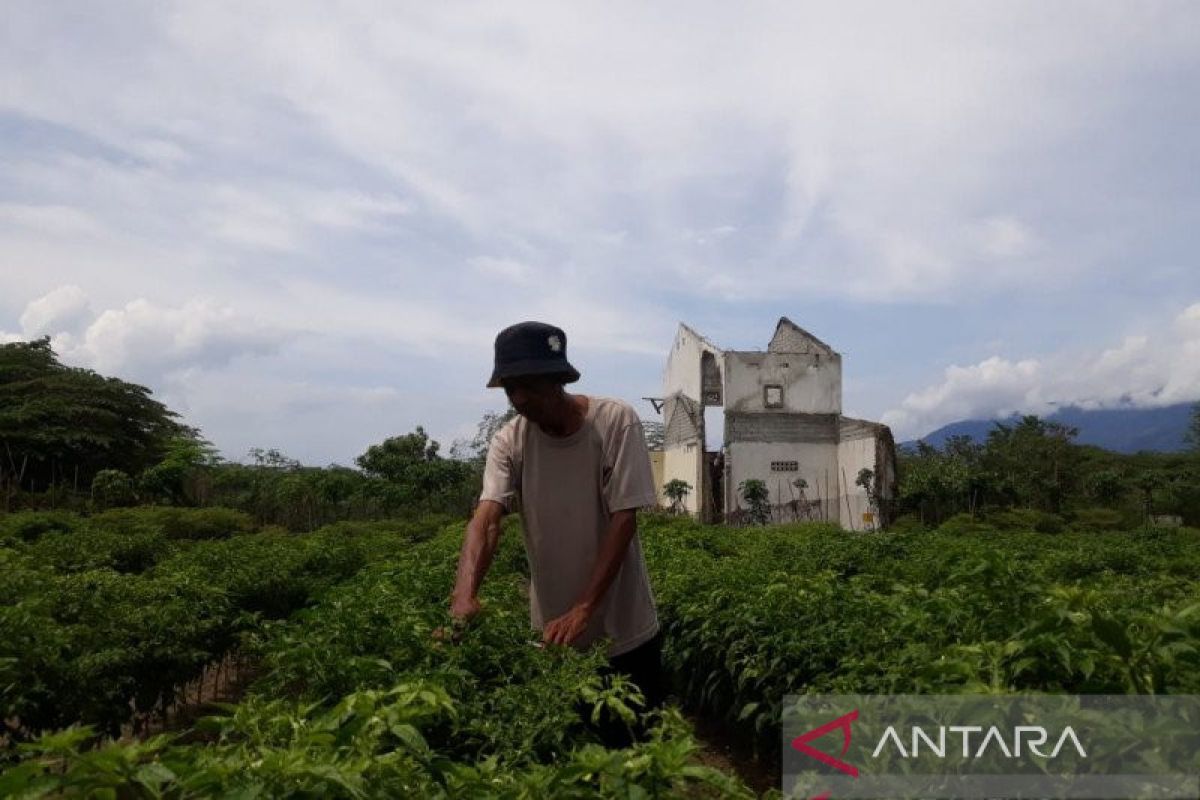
point(1124, 430)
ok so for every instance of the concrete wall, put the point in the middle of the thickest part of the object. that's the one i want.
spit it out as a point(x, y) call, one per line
point(806, 427)
point(816, 463)
point(656, 470)
point(853, 455)
point(684, 462)
point(682, 373)
point(684, 383)
point(812, 382)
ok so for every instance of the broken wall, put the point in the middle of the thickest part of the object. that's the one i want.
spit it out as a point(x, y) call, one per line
point(785, 383)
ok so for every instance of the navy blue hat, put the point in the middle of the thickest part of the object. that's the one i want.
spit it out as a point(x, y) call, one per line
point(532, 348)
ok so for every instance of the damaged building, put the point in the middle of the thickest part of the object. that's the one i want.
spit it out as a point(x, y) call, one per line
point(783, 426)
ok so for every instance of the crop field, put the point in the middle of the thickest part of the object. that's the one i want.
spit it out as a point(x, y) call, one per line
point(347, 682)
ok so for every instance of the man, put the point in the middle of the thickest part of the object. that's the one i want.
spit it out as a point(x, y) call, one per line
point(579, 468)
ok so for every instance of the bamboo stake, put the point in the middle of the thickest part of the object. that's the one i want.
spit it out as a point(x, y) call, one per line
point(846, 494)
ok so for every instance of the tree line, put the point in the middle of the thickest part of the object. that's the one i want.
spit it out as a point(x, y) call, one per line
point(1035, 464)
point(71, 438)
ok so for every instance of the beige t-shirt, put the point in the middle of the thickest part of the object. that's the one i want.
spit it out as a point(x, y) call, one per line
point(567, 488)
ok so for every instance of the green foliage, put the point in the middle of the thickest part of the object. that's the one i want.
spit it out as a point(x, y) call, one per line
point(676, 490)
point(808, 609)
point(1097, 519)
point(394, 457)
point(1034, 465)
point(29, 525)
point(754, 492)
point(168, 480)
point(61, 425)
point(358, 698)
point(961, 524)
point(420, 476)
point(111, 488)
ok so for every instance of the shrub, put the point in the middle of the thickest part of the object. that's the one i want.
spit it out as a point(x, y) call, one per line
point(1097, 519)
point(26, 526)
point(965, 523)
point(178, 523)
point(1014, 519)
point(907, 523)
point(1049, 523)
point(111, 488)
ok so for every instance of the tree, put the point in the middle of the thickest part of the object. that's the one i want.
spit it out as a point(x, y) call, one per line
point(676, 490)
point(168, 480)
point(1034, 462)
point(755, 493)
point(476, 449)
point(1107, 486)
point(392, 458)
point(61, 425)
point(419, 475)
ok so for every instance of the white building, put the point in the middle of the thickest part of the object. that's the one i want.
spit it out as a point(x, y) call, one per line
point(783, 426)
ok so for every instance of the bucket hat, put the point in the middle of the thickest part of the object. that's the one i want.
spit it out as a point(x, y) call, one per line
point(531, 348)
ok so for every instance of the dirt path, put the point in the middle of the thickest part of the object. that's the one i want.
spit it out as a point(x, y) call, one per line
point(222, 682)
point(720, 750)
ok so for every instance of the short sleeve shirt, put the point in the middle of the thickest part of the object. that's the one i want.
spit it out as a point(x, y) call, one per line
point(568, 487)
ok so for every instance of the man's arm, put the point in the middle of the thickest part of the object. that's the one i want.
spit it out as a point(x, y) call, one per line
point(622, 525)
point(479, 546)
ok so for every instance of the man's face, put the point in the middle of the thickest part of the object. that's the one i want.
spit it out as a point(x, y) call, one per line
point(532, 395)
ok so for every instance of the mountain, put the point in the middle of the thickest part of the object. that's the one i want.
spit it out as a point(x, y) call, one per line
point(1124, 430)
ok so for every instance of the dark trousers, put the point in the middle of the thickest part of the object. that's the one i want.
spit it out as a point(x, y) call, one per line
point(643, 666)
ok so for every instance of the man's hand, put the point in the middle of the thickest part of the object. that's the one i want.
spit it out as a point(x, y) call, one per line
point(569, 627)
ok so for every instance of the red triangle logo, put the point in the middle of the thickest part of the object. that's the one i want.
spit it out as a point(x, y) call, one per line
point(800, 743)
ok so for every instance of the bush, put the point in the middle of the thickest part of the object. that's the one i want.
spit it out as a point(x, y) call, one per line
point(178, 523)
point(907, 523)
point(1097, 519)
point(1014, 519)
point(1049, 523)
point(111, 488)
point(965, 524)
point(26, 526)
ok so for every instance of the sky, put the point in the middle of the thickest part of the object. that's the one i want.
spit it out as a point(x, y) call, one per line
point(302, 224)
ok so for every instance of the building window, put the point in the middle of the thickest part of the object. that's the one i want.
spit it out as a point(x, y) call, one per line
point(785, 466)
point(773, 395)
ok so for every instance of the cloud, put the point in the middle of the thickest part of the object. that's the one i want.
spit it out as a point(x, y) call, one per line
point(1140, 371)
point(145, 341)
point(506, 269)
point(66, 309)
point(49, 220)
point(143, 338)
point(407, 180)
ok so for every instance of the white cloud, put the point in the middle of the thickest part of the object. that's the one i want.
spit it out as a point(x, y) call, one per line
point(1005, 237)
point(50, 220)
point(506, 269)
point(66, 309)
point(143, 340)
point(1147, 370)
point(412, 178)
point(873, 140)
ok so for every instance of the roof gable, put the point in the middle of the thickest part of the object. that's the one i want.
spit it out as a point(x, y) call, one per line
point(791, 338)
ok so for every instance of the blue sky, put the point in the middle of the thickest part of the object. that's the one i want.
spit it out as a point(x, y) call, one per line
point(303, 225)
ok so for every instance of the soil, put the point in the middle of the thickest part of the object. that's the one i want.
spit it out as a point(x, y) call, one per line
point(721, 750)
point(222, 682)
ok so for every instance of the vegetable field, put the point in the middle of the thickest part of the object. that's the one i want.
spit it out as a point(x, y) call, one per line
point(359, 690)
